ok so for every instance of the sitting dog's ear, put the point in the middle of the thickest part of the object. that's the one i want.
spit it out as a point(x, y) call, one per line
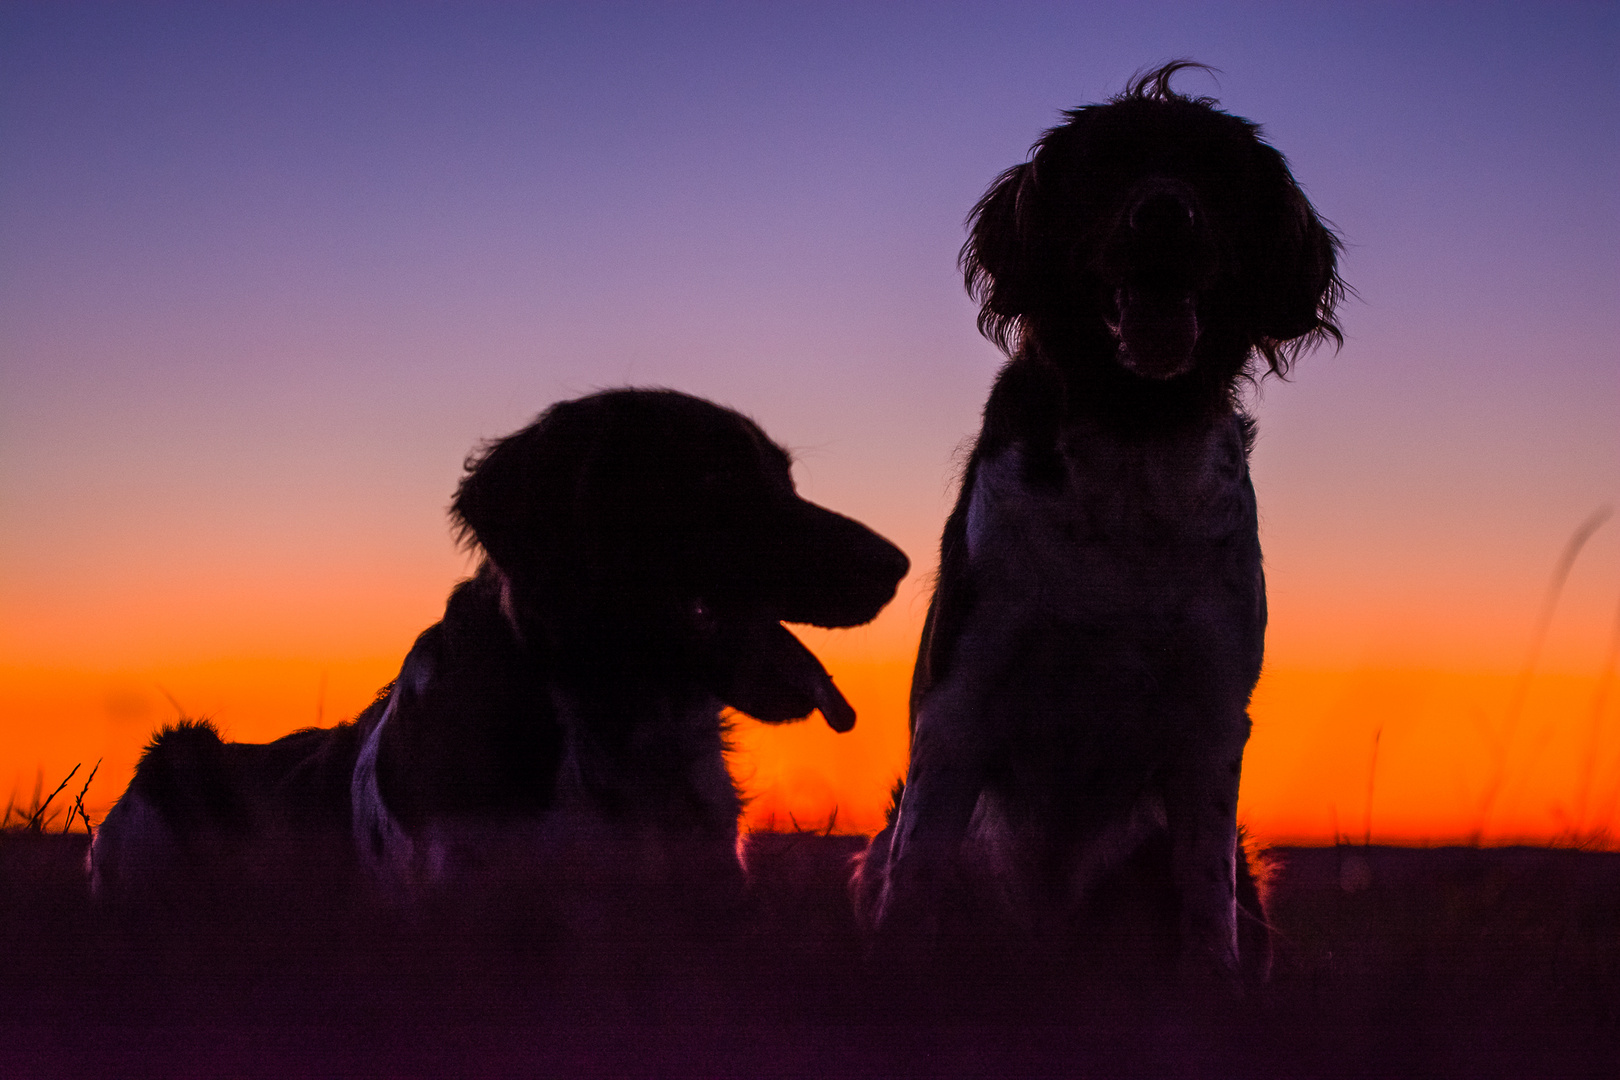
point(1000, 262)
point(1298, 285)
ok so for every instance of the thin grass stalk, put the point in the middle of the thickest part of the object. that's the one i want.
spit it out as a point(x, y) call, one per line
point(37, 823)
point(1372, 777)
point(78, 803)
point(1521, 687)
point(1594, 731)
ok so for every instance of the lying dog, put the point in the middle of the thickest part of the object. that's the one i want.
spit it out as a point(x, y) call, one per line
point(1082, 686)
point(642, 549)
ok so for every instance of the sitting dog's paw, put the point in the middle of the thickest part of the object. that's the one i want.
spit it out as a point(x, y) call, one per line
point(1209, 964)
point(922, 903)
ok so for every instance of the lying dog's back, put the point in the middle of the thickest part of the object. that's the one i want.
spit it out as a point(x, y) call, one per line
point(201, 812)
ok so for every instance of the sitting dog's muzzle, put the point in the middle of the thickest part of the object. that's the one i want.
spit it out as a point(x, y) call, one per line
point(1158, 259)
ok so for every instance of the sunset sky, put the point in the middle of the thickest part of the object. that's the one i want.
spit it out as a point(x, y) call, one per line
point(269, 271)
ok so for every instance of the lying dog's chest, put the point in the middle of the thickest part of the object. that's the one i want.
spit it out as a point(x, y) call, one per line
point(1132, 528)
point(628, 788)
point(666, 769)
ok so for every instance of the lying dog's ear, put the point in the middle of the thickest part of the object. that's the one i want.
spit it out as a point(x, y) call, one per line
point(1298, 286)
point(514, 499)
point(1000, 262)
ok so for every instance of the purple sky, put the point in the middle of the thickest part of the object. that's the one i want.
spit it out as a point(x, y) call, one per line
point(267, 273)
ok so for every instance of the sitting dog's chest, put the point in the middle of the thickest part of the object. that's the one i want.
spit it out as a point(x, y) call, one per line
point(1133, 529)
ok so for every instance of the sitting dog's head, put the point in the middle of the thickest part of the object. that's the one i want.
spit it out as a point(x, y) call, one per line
point(1157, 233)
point(647, 535)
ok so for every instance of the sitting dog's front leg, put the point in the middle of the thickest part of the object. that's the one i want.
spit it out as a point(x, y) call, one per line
point(1201, 805)
point(943, 784)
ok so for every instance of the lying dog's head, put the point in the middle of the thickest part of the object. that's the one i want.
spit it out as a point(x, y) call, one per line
point(1158, 233)
point(648, 534)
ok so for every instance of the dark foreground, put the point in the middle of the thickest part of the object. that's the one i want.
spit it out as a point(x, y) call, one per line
point(1389, 963)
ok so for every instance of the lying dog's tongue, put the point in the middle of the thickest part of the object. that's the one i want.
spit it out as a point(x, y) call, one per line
point(777, 679)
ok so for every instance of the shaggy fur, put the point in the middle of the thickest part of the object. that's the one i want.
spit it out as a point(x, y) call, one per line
point(563, 720)
point(1080, 695)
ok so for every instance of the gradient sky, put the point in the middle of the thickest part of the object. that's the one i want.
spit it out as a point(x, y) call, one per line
point(269, 271)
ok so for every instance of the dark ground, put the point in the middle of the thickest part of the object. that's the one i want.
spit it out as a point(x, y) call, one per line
point(1446, 962)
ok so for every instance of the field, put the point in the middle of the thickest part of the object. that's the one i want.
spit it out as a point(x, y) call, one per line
point(1389, 963)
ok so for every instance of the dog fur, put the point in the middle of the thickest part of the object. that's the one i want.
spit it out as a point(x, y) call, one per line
point(1081, 691)
point(563, 721)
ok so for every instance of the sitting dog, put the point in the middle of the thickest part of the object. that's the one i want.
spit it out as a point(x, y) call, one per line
point(563, 721)
point(1081, 692)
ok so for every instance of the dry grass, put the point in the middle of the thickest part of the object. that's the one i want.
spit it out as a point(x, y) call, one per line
point(39, 815)
point(1391, 962)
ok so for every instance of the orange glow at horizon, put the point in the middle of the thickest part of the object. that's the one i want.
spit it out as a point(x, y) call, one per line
point(1398, 754)
point(1403, 756)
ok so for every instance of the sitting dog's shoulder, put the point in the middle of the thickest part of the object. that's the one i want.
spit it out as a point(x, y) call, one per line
point(1026, 410)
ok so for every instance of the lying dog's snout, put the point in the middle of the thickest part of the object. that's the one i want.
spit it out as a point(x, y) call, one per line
point(828, 571)
point(886, 565)
point(834, 571)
